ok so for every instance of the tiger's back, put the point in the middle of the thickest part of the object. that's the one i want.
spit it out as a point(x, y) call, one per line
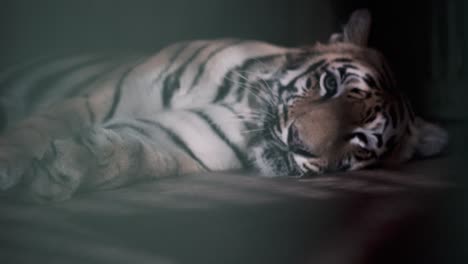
point(37, 84)
point(169, 77)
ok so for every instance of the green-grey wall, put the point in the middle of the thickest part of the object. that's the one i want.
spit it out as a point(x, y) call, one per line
point(31, 27)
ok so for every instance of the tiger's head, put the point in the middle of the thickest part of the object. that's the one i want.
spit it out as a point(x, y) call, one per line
point(338, 109)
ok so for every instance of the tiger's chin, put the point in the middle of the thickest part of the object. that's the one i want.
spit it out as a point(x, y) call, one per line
point(273, 162)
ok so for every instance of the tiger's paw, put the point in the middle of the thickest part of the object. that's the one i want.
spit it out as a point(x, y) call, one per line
point(68, 164)
point(55, 177)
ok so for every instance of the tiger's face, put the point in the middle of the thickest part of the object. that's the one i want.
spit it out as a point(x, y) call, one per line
point(338, 110)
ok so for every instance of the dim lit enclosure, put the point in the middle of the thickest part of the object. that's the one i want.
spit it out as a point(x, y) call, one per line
point(413, 214)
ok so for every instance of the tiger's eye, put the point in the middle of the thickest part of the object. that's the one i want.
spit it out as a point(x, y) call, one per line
point(330, 82)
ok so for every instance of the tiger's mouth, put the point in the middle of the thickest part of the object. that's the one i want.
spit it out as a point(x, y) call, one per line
point(274, 157)
point(283, 155)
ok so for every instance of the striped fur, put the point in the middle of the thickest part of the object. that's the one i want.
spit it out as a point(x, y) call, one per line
point(97, 121)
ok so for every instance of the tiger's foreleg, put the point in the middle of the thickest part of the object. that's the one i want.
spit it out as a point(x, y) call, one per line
point(104, 157)
point(29, 138)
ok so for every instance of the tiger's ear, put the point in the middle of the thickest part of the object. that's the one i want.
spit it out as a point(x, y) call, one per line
point(431, 139)
point(357, 29)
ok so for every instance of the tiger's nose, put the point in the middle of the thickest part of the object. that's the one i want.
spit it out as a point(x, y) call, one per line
point(296, 144)
point(293, 136)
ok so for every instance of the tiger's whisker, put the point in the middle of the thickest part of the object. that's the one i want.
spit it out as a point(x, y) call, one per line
point(253, 130)
point(269, 91)
point(239, 73)
point(249, 88)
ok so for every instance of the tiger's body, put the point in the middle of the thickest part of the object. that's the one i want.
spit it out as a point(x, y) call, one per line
point(95, 122)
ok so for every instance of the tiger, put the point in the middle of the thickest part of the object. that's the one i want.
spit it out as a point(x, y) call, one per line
point(97, 122)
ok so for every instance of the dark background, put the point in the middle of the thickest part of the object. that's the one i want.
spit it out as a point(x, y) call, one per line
point(424, 43)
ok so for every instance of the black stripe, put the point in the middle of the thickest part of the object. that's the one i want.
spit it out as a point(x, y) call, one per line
point(173, 58)
point(239, 154)
point(176, 140)
point(170, 85)
point(361, 137)
point(201, 68)
point(370, 81)
point(172, 82)
point(92, 116)
point(294, 60)
point(285, 114)
point(25, 70)
point(290, 86)
point(344, 74)
point(229, 107)
point(379, 140)
point(343, 60)
point(287, 88)
point(118, 93)
point(241, 86)
point(44, 85)
point(386, 118)
point(139, 130)
point(225, 88)
point(78, 87)
point(350, 66)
